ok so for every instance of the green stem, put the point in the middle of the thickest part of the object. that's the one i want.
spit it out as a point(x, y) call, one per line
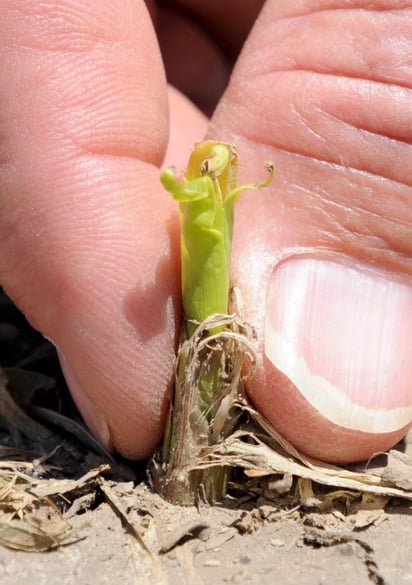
point(207, 196)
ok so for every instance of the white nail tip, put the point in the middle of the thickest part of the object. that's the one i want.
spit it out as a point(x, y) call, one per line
point(329, 400)
point(343, 336)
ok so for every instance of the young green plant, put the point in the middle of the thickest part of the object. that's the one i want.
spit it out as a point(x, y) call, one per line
point(207, 195)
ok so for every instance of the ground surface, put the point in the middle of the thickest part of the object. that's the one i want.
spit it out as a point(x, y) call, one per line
point(269, 551)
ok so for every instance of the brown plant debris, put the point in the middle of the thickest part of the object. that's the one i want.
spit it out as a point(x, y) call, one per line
point(30, 519)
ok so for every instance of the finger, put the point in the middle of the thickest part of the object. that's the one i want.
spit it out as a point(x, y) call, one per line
point(187, 125)
point(324, 258)
point(87, 236)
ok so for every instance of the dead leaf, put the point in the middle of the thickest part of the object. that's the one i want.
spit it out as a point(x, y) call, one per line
point(23, 535)
point(193, 529)
point(52, 487)
point(364, 518)
point(399, 470)
point(246, 449)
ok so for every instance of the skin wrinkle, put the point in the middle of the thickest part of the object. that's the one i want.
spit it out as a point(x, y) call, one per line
point(375, 242)
point(73, 50)
point(356, 205)
point(72, 148)
point(388, 142)
point(288, 61)
point(362, 210)
point(339, 76)
point(76, 112)
point(345, 225)
point(336, 6)
point(317, 159)
point(300, 116)
point(59, 59)
point(251, 137)
point(385, 135)
point(336, 228)
point(59, 25)
point(395, 258)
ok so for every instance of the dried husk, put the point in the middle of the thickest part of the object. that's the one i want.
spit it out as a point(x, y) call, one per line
point(200, 451)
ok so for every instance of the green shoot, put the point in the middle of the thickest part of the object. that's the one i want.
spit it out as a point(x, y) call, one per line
point(207, 196)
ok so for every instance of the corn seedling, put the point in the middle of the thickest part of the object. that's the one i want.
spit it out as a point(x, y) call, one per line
point(211, 358)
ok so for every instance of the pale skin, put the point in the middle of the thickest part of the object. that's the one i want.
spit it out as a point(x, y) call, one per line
point(89, 239)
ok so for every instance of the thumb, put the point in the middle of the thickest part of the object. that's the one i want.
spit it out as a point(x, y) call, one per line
point(323, 259)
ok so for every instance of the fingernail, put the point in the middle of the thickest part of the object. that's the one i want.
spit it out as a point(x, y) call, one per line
point(91, 414)
point(343, 336)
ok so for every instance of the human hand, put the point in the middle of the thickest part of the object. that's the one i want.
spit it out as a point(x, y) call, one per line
point(89, 241)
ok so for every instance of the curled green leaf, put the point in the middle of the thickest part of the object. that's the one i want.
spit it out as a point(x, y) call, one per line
point(207, 196)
